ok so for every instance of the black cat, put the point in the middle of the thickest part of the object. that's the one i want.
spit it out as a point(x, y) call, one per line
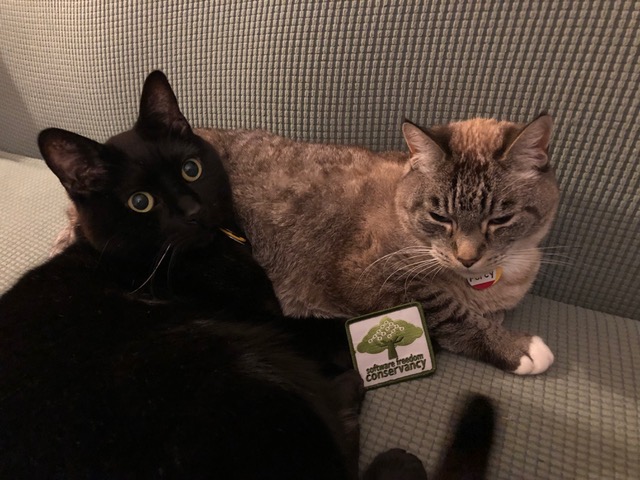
point(131, 354)
point(154, 346)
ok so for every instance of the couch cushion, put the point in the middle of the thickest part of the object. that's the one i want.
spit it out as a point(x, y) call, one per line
point(32, 206)
point(579, 420)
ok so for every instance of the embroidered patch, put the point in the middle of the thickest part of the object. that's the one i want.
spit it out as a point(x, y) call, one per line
point(391, 346)
point(487, 280)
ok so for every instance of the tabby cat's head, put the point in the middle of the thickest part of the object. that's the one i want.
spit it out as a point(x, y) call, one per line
point(480, 190)
point(155, 185)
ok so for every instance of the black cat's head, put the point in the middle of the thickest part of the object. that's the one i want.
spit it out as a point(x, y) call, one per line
point(148, 188)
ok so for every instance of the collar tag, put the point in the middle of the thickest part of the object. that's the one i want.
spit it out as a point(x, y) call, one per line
point(391, 346)
point(233, 236)
point(487, 280)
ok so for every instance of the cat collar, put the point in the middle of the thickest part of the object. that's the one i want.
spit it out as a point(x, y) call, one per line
point(487, 280)
point(233, 236)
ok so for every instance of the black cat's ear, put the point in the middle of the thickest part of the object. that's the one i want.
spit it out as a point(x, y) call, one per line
point(159, 108)
point(76, 160)
point(529, 152)
point(425, 151)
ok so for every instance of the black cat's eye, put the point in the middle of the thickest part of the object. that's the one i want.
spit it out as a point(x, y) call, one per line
point(140, 202)
point(500, 220)
point(439, 218)
point(191, 169)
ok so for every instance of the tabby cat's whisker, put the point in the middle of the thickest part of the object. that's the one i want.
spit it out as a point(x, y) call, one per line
point(412, 266)
point(422, 270)
point(428, 262)
point(414, 249)
point(388, 257)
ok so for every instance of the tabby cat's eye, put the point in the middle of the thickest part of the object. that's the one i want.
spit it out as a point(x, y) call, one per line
point(500, 220)
point(191, 169)
point(439, 218)
point(140, 202)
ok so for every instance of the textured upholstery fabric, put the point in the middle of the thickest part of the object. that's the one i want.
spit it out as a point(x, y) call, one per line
point(349, 72)
point(33, 204)
point(580, 420)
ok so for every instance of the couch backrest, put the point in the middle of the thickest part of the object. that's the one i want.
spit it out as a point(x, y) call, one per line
point(349, 72)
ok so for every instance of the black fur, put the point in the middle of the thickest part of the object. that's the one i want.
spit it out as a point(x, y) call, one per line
point(154, 346)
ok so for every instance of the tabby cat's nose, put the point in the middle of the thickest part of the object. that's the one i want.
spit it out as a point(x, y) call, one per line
point(468, 262)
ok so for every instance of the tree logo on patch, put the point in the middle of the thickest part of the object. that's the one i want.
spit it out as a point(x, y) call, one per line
point(387, 335)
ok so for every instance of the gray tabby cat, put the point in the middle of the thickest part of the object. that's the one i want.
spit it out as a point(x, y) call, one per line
point(454, 224)
point(344, 231)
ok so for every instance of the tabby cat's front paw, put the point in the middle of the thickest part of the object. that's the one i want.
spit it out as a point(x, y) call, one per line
point(537, 360)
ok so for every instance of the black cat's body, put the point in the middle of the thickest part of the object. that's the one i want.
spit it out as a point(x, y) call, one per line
point(154, 347)
point(98, 385)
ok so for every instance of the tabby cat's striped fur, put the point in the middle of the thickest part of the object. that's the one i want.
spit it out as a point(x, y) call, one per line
point(343, 231)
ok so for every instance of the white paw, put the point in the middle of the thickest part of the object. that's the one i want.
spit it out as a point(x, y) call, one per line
point(540, 358)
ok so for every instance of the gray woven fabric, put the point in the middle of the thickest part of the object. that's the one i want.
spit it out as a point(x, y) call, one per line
point(348, 72)
point(580, 420)
point(33, 204)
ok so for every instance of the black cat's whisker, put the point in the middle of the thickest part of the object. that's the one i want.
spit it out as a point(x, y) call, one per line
point(153, 272)
point(104, 249)
point(179, 244)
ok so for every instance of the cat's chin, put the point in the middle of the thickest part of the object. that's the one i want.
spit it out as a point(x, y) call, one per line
point(472, 272)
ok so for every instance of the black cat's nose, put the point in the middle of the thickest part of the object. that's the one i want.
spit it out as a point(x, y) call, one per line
point(468, 262)
point(189, 206)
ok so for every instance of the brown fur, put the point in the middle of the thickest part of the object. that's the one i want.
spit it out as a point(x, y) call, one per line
point(344, 231)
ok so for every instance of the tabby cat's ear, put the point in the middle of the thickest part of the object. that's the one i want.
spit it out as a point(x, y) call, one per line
point(530, 150)
point(159, 108)
point(76, 160)
point(425, 151)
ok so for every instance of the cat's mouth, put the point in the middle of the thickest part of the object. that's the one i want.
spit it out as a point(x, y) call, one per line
point(474, 272)
point(478, 268)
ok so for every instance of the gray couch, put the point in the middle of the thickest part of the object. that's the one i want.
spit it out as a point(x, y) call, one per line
point(349, 72)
